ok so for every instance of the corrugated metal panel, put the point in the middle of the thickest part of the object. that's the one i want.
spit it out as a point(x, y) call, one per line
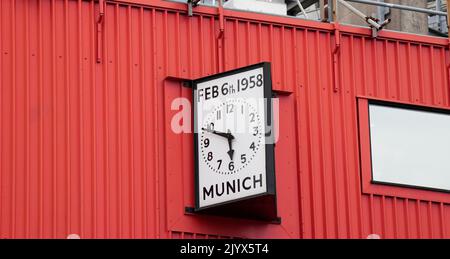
point(86, 148)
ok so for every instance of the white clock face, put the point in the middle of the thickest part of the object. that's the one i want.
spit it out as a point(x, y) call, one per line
point(231, 136)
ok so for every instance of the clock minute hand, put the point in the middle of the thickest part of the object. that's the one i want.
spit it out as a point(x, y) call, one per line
point(222, 134)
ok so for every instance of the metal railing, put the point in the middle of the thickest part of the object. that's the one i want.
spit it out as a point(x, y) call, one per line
point(380, 22)
point(326, 10)
point(400, 7)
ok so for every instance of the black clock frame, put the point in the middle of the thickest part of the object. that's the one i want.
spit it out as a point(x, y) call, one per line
point(261, 206)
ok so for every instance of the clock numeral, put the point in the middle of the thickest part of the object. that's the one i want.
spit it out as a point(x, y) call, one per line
point(231, 166)
point(259, 80)
point(252, 146)
point(252, 117)
point(206, 142)
point(220, 163)
point(210, 156)
point(230, 108)
point(210, 126)
point(255, 131)
point(219, 114)
point(243, 159)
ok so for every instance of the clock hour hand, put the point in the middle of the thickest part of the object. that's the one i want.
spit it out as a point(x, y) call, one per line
point(231, 150)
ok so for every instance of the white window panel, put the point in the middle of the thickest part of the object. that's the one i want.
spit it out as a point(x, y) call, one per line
point(410, 147)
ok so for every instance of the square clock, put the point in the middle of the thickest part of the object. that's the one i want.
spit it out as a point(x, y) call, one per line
point(234, 143)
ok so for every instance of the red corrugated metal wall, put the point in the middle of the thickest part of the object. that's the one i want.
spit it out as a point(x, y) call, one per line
point(86, 148)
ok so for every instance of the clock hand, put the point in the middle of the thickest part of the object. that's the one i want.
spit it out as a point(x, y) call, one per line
point(228, 136)
point(231, 150)
point(222, 134)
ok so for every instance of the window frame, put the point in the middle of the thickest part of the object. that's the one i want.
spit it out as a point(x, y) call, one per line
point(370, 186)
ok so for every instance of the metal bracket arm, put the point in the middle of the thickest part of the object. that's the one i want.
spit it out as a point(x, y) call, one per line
point(373, 23)
point(99, 30)
point(191, 4)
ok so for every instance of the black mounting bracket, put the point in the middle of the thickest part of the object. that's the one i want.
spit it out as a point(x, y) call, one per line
point(191, 211)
